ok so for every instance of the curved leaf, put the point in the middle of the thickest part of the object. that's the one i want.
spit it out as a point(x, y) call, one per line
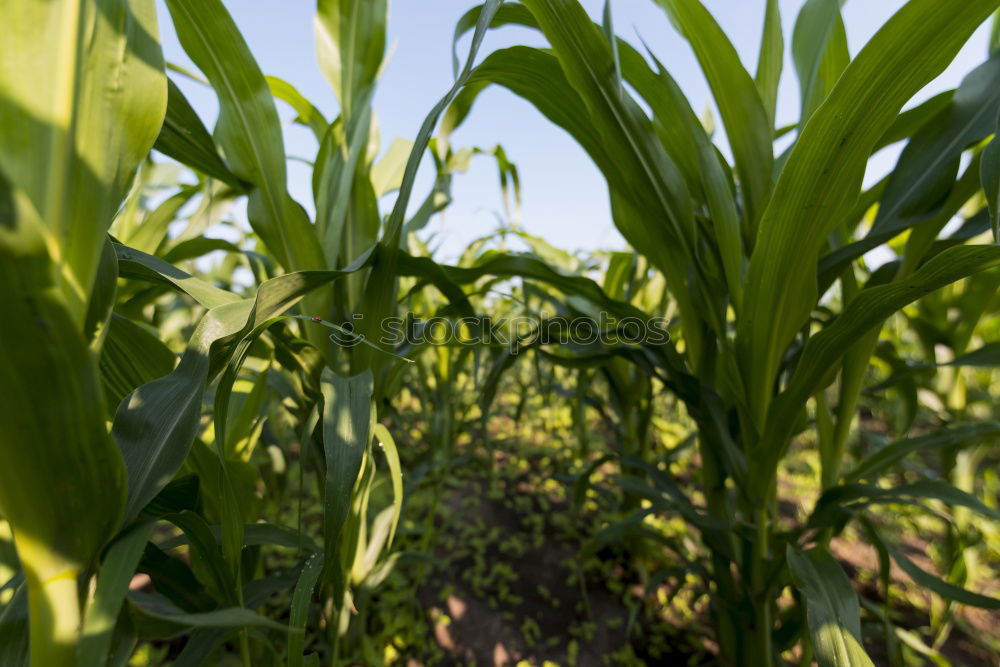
point(936, 584)
point(157, 423)
point(131, 356)
point(819, 50)
point(868, 310)
point(382, 434)
point(771, 59)
point(348, 419)
point(748, 127)
point(308, 114)
point(113, 582)
point(831, 607)
point(230, 617)
point(184, 138)
point(886, 457)
point(248, 129)
point(299, 615)
point(350, 43)
point(822, 178)
point(72, 145)
point(857, 496)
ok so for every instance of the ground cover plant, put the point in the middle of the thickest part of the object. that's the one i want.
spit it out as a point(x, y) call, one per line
point(212, 454)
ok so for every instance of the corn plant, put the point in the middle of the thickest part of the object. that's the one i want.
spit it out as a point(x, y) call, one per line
point(945, 325)
point(177, 419)
point(749, 249)
point(70, 154)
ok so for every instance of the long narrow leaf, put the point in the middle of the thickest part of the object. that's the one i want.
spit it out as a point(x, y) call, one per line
point(113, 582)
point(184, 138)
point(868, 310)
point(831, 607)
point(771, 59)
point(156, 425)
point(748, 127)
point(248, 129)
point(822, 178)
point(347, 430)
point(884, 458)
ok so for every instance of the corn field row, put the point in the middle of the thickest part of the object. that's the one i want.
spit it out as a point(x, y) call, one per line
point(212, 454)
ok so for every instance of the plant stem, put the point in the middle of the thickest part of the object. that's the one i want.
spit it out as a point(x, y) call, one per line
point(761, 652)
point(54, 618)
point(245, 647)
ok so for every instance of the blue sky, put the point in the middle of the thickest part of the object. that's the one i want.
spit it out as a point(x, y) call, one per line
point(564, 197)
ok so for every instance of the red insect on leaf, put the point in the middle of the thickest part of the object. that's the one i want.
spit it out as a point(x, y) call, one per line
point(317, 319)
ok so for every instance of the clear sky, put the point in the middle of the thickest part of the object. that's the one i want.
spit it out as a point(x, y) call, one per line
point(564, 197)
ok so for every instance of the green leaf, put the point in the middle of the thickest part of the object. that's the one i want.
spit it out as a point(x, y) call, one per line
point(387, 173)
point(503, 361)
point(832, 265)
point(987, 356)
point(14, 630)
point(888, 456)
point(509, 13)
point(674, 114)
point(857, 496)
point(337, 176)
point(231, 617)
point(157, 423)
point(199, 646)
point(102, 298)
point(936, 584)
point(617, 136)
point(832, 608)
point(206, 558)
point(350, 43)
point(308, 114)
point(181, 494)
point(822, 353)
point(249, 410)
point(819, 50)
point(608, 27)
point(348, 416)
point(299, 614)
point(196, 247)
point(990, 176)
point(131, 356)
point(113, 581)
point(824, 172)
point(133, 263)
point(644, 175)
point(748, 127)
point(226, 439)
point(184, 138)
point(925, 171)
point(908, 122)
point(771, 59)
point(72, 146)
point(248, 129)
point(151, 234)
point(256, 534)
point(379, 293)
point(382, 434)
point(526, 72)
point(54, 439)
point(995, 34)
point(505, 265)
